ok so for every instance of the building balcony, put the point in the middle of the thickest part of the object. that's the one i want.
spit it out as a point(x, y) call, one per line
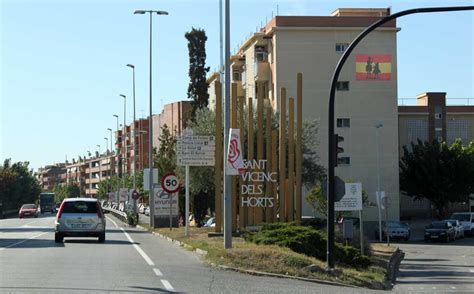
point(261, 71)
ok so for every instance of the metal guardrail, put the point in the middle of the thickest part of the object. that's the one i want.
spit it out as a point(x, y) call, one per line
point(120, 214)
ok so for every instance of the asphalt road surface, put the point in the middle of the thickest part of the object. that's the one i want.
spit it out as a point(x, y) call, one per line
point(437, 267)
point(130, 261)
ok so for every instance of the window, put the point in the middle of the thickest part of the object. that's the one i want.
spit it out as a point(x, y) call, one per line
point(341, 47)
point(236, 76)
point(343, 160)
point(261, 54)
point(438, 115)
point(342, 86)
point(343, 123)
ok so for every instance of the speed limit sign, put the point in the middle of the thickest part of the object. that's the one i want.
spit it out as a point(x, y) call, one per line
point(170, 183)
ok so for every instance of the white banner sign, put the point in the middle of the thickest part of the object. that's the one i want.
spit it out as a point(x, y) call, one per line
point(234, 163)
point(123, 194)
point(162, 202)
point(352, 200)
point(195, 150)
point(146, 178)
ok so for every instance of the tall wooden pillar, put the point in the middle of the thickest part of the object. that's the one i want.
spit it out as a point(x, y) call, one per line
point(242, 209)
point(298, 149)
point(218, 159)
point(268, 152)
point(274, 168)
point(282, 156)
point(233, 125)
point(250, 155)
point(259, 210)
point(291, 161)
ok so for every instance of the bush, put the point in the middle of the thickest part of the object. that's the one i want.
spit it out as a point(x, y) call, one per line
point(132, 218)
point(306, 240)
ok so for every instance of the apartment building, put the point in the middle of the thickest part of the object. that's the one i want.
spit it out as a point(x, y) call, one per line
point(432, 119)
point(97, 169)
point(75, 174)
point(366, 92)
point(132, 147)
point(174, 115)
point(51, 176)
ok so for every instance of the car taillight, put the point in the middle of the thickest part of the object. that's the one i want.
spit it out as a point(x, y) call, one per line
point(60, 210)
point(99, 211)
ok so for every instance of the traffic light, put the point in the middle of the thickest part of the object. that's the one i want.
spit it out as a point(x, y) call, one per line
point(339, 149)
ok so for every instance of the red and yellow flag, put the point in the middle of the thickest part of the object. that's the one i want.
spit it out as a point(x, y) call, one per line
point(373, 67)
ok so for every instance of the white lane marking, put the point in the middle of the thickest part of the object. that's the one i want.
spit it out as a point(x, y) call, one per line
point(167, 285)
point(142, 253)
point(157, 272)
point(434, 288)
point(112, 221)
point(22, 241)
point(454, 288)
point(471, 270)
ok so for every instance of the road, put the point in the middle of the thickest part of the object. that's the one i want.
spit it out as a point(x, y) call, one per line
point(437, 267)
point(130, 261)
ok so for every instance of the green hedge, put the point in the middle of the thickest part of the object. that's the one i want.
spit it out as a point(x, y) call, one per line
point(306, 240)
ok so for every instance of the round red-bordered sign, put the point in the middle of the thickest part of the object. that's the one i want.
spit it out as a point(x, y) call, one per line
point(170, 183)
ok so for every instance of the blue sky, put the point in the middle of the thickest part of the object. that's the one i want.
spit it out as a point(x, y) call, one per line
point(63, 62)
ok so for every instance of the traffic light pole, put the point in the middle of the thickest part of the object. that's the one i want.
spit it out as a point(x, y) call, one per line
point(332, 91)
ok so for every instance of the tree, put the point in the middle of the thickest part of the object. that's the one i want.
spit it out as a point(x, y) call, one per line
point(434, 171)
point(165, 158)
point(17, 185)
point(312, 172)
point(69, 191)
point(197, 89)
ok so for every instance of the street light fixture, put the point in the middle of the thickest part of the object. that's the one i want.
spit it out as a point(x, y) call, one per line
point(124, 136)
point(150, 122)
point(134, 136)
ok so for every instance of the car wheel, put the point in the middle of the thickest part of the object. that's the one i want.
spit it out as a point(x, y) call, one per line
point(407, 238)
point(447, 239)
point(58, 238)
point(102, 238)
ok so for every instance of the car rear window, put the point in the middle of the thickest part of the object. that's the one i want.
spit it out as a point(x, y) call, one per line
point(80, 207)
point(462, 217)
point(29, 206)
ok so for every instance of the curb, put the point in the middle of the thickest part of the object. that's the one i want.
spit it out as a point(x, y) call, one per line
point(259, 273)
point(393, 267)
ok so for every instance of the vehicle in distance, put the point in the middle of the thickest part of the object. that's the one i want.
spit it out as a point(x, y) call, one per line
point(46, 202)
point(467, 221)
point(458, 228)
point(28, 210)
point(395, 229)
point(80, 217)
point(441, 230)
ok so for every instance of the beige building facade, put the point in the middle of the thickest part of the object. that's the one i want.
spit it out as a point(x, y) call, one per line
point(312, 45)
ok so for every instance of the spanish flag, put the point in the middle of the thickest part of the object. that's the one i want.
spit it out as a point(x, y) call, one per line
point(373, 67)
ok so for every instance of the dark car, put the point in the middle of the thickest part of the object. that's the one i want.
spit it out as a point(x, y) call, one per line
point(28, 210)
point(440, 231)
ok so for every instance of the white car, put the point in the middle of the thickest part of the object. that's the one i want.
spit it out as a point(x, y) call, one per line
point(458, 228)
point(467, 221)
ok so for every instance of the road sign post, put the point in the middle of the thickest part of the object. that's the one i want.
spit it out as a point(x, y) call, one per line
point(193, 151)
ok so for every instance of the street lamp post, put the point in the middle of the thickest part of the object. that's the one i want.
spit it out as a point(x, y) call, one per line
point(124, 138)
point(150, 131)
point(379, 193)
point(100, 166)
point(134, 135)
point(118, 157)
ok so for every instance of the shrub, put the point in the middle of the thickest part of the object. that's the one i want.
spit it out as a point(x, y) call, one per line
point(306, 240)
point(132, 218)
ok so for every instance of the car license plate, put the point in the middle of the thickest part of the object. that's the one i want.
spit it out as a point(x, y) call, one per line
point(434, 237)
point(79, 226)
